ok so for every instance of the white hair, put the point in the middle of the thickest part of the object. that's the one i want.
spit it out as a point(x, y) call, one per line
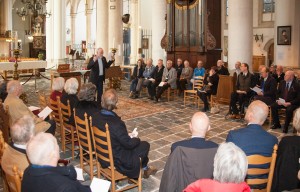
point(58, 84)
point(41, 147)
point(71, 86)
point(230, 164)
point(22, 130)
point(13, 86)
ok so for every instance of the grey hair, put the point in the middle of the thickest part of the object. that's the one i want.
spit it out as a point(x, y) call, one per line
point(58, 84)
point(109, 99)
point(296, 120)
point(40, 148)
point(71, 86)
point(230, 164)
point(87, 92)
point(13, 86)
point(22, 130)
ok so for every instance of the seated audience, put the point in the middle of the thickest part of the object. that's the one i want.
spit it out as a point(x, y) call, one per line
point(43, 174)
point(57, 88)
point(273, 69)
point(243, 92)
point(279, 75)
point(136, 76)
point(236, 71)
point(3, 92)
point(69, 94)
point(211, 85)
point(185, 77)
point(268, 85)
point(222, 70)
point(199, 71)
point(157, 77)
point(15, 153)
point(127, 151)
point(253, 139)
point(230, 169)
point(86, 101)
point(168, 80)
point(289, 90)
point(17, 109)
point(287, 162)
point(190, 159)
point(147, 74)
point(179, 66)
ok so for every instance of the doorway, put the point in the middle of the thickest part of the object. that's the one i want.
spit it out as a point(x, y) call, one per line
point(271, 55)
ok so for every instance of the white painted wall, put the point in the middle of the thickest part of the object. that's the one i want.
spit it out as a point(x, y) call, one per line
point(146, 14)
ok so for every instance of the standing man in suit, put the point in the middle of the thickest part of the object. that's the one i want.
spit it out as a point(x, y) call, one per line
point(288, 90)
point(199, 125)
point(268, 85)
point(97, 65)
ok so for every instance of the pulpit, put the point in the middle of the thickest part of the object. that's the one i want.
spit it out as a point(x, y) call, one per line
point(114, 75)
point(225, 87)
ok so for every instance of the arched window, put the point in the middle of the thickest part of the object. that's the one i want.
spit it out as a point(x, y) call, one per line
point(269, 6)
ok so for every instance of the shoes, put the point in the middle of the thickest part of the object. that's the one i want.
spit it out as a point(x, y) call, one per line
point(232, 116)
point(150, 171)
point(156, 99)
point(276, 126)
point(151, 98)
point(131, 94)
point(238, 116)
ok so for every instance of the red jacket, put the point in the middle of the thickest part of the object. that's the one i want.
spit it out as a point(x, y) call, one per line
point(209, 185)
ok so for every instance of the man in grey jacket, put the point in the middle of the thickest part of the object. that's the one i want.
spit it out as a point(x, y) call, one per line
point(168, 80)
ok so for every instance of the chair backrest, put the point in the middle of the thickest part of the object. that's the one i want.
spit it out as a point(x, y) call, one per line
point(55, 111)
point(102, 145)
point(261, 160)
point(2, 146)
point(198, 82)
point(4, 122)
point(42, 100)
point(83, 133)
point(14, 181)
point(64, 113)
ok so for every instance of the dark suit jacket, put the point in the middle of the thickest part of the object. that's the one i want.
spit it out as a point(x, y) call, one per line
point(126, 161)
point(223, 71)
point(94, 67)
point(241, 83)
point(157, 75)
point(52, 179)
point(196, 142)
point(135, 74)
point(293, 93)
point(253, 139)
point(287, 165)
point(88, 107)
point(73, 102)
point(280, 78)
point(214, 80)
point(270, 87)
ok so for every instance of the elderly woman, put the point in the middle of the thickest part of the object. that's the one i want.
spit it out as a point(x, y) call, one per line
point(230, 169)
point(57, 88)
point(185, 77)
point(287, 162)
point(70, 88)
point(87, 103)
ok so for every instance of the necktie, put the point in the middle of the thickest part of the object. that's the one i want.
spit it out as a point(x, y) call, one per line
point(262, 85)
point(286, 91)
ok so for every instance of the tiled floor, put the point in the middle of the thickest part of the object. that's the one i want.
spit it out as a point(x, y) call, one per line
point(161, 129)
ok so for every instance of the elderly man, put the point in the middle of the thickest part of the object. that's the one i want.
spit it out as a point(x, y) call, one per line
point(147, 74)
point(199, 70)
point(289, 99)
point(127, 151)
point(97, 65)
point(237, 68)
point(222, 70)
point(268, 86)
point(43, 174)
point(168, 80)
point(256, 115)
point(156, 79)
point(190, 159)
point(17, 109)
point(15, 154)
point(279, 75)
point(179, 66)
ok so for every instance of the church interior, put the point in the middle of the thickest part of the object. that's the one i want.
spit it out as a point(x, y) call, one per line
point(177, 87)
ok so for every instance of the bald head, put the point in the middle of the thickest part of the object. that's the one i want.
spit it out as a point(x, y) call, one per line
point(199, 124)
point(257, 112)
point(289, 76)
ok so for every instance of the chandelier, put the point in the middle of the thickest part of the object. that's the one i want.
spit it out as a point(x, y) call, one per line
point(33, 7)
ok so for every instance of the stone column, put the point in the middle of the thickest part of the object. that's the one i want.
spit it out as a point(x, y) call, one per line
point(56, 33)
point(88, 14)
point(286, 13)
point(73, 27)
point(102, 23)
point(240, 32)
point(115, 29)
point(159, 9)
point(6, 24)
point(134, 30)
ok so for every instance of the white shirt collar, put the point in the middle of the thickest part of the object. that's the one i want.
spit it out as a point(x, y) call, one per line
point(20, 146)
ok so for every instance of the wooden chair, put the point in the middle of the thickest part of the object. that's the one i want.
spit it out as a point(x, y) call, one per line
point(14, 182)
point(42, 100)
point(192, 94)
point(102, 145)
point(4, 122)
point(55, 115)
point(87, 154)
point(67, 130)
point(260, 160)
